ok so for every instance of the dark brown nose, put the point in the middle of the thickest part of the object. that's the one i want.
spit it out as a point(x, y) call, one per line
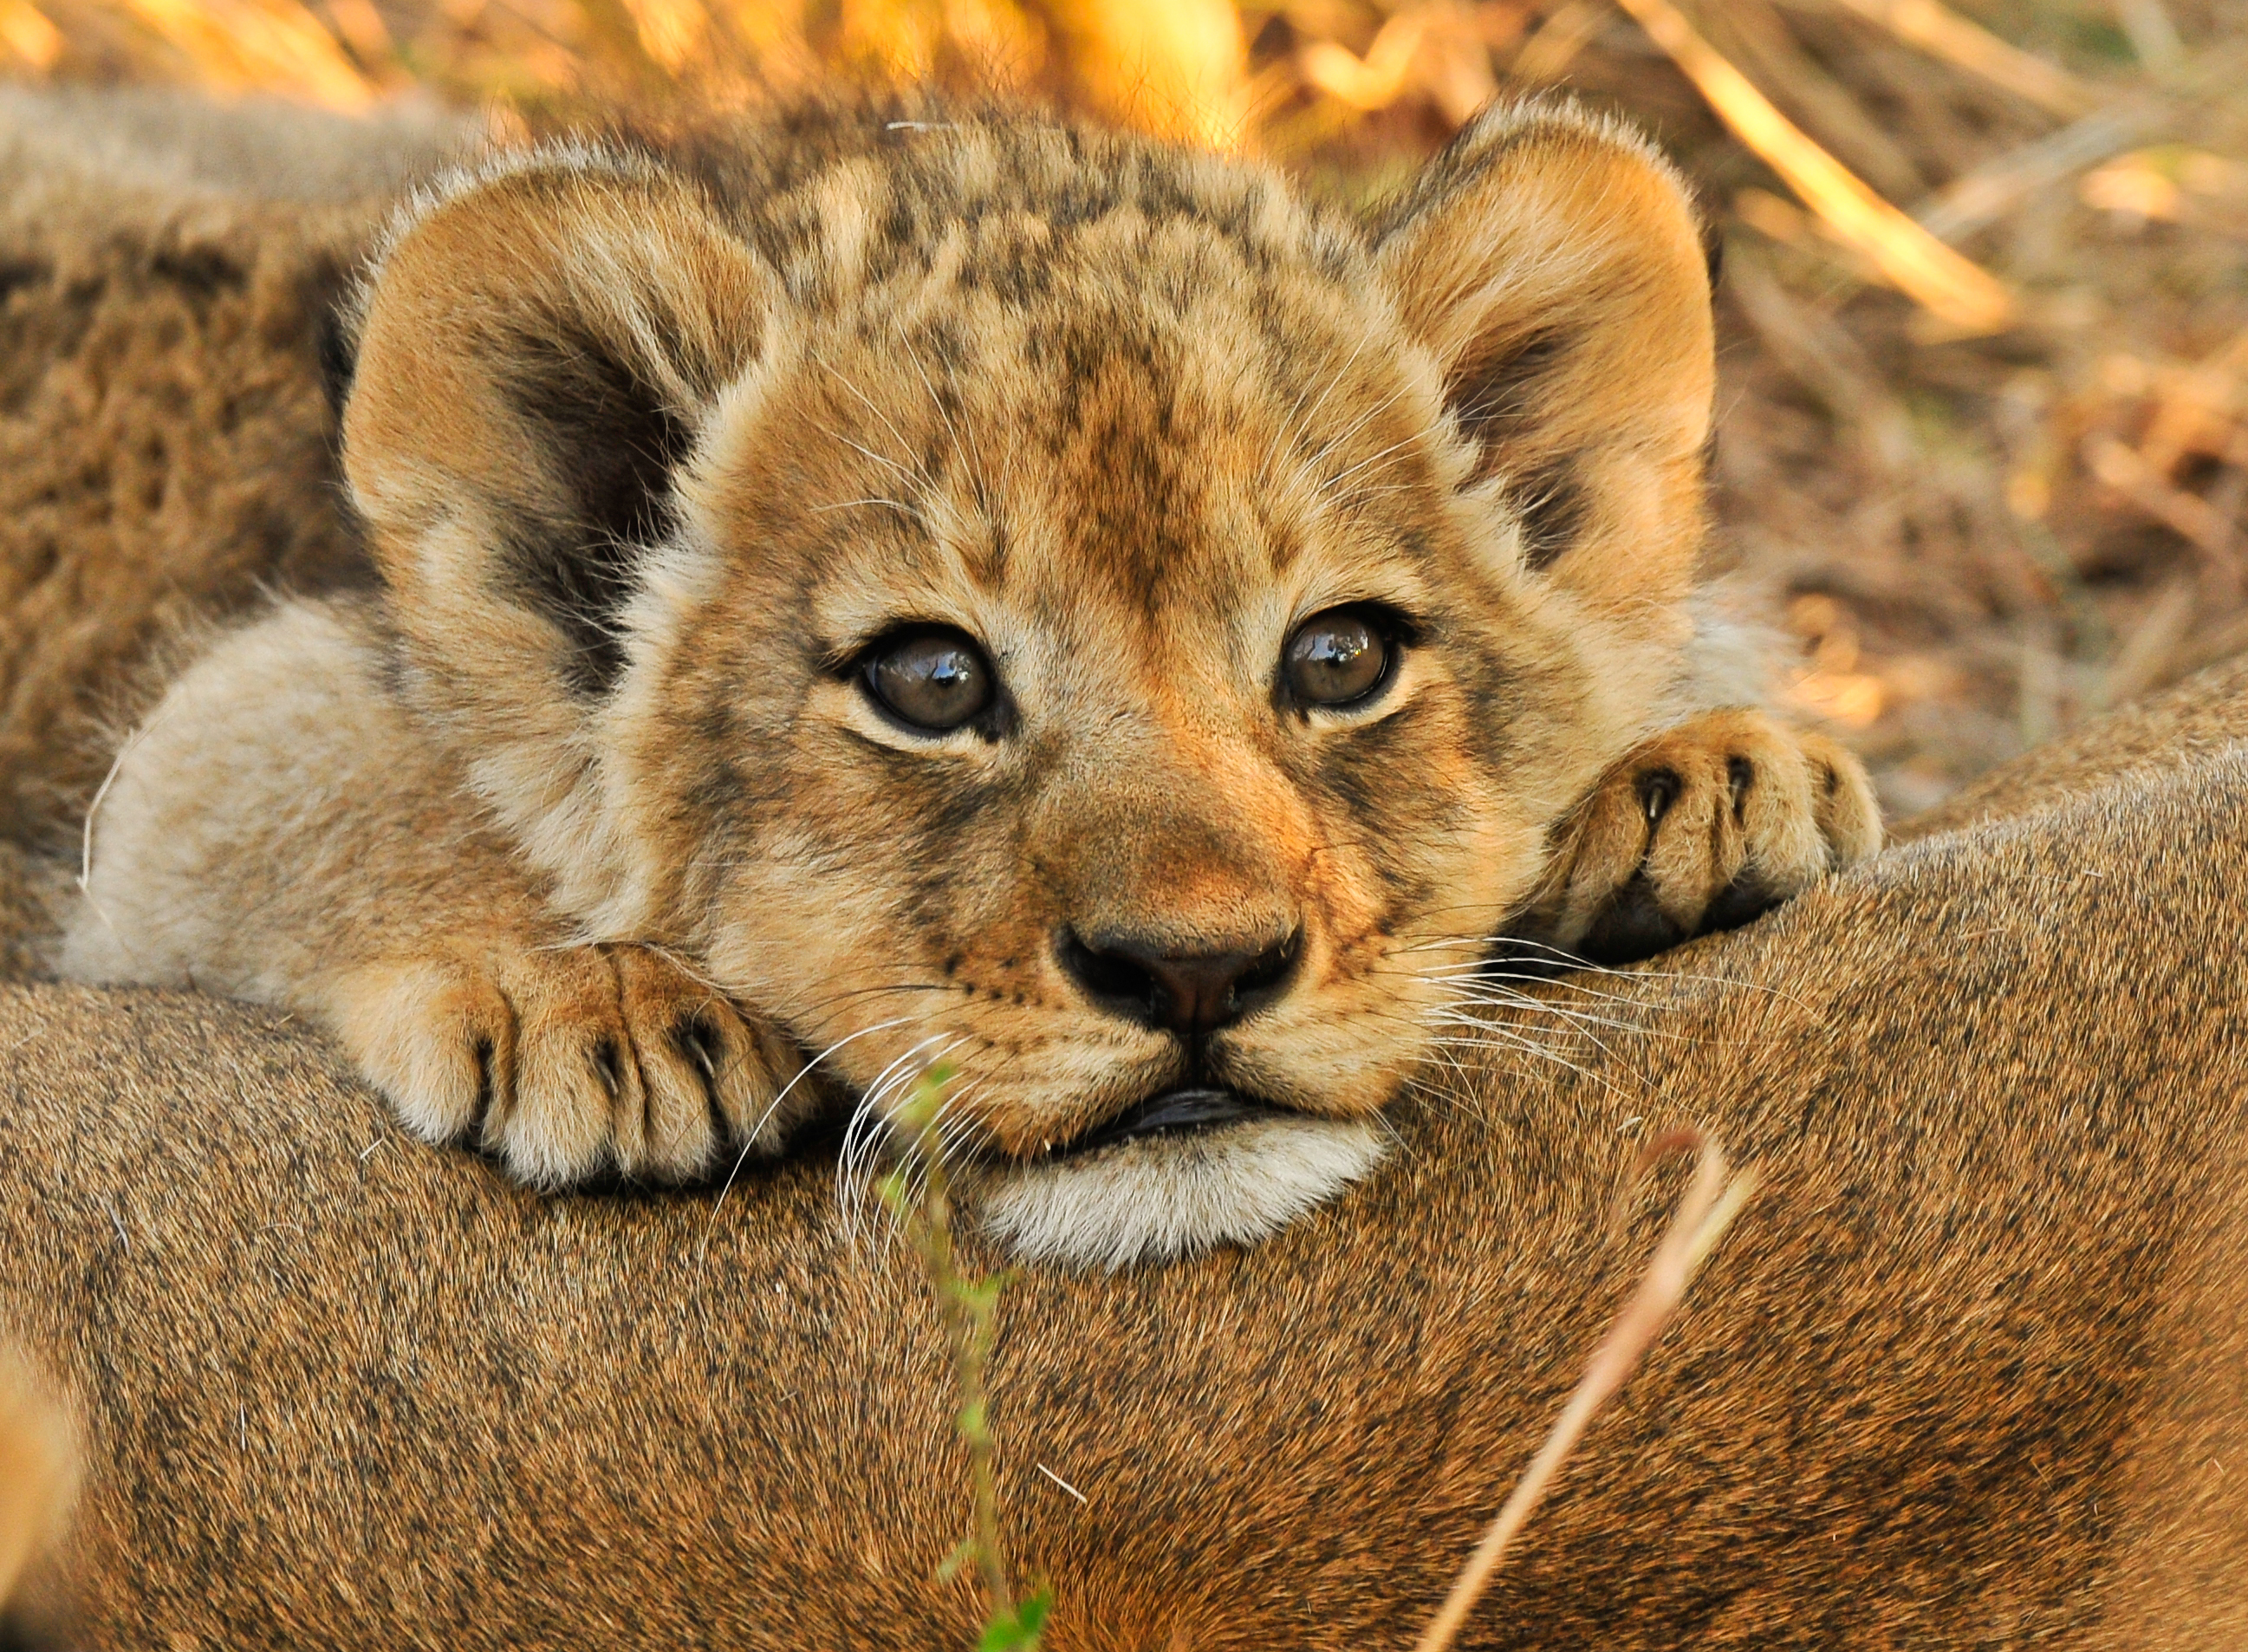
point(1188, 993)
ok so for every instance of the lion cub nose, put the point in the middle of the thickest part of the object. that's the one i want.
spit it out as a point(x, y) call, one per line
point(1188, 993)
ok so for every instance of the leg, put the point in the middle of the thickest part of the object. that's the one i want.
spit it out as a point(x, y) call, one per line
point(280, 831)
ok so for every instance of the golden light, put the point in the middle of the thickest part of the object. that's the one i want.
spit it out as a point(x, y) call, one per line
point(28, 35)
point(244, 45)
point(1179, 68)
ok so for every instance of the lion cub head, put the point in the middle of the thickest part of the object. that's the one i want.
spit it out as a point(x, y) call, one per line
point(1030, 599)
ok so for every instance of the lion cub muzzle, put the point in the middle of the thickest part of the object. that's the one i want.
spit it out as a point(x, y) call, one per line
point(1190, 995)
point(1199, 936)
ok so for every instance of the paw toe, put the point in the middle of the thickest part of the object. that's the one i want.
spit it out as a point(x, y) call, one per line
point(710, 1083)
point(1848, 815)
point(437, 1039)
point(1705, 827)
point(575, 1088)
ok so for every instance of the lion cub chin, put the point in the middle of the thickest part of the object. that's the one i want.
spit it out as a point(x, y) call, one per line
point(1175, 1194)
point(867, 598)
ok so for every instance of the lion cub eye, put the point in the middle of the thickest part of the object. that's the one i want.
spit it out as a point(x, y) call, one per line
point(930, 680)
point(1337, 658)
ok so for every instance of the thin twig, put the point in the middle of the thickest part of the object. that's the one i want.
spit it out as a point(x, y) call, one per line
point(1942, 32)
point(1710, 1203)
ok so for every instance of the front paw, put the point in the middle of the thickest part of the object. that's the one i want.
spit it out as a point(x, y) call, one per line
point(568, 1062)
point(1702, 828)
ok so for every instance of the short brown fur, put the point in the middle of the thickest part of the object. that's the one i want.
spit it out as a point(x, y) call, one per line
point(1968, 1371)
point(165, 444)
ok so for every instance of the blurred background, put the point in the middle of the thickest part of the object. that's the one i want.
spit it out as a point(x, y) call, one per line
point(1984, 322)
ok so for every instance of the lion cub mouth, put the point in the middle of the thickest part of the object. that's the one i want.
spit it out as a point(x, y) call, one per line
point(1187, 1110)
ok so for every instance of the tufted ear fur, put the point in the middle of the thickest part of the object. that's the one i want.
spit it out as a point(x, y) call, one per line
point(1552, 264)
point(537, 351)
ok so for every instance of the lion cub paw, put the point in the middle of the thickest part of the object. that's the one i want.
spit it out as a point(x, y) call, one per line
point(567, 1063)
point(1702, 828)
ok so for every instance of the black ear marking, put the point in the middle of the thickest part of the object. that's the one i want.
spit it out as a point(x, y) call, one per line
point(610, 445)
point(333, 344)
point(335, 348)
point(1493, 391)
point(1552, 503)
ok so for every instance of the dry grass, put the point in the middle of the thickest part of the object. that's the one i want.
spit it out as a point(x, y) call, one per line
point(1987, 310)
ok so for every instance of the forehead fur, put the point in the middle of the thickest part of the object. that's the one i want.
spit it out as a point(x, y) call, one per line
point(1005, 202)
point(1149, 374)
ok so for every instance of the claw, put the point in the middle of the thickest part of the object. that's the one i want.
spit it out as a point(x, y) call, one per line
point(1641, 869)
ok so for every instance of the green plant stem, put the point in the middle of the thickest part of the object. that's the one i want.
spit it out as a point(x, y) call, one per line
point(966, 1307)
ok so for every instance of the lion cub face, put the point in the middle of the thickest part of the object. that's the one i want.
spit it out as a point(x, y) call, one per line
point(1035, 602)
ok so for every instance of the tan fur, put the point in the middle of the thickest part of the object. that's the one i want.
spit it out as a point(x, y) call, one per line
point(586, 840)
point(1968, 1371)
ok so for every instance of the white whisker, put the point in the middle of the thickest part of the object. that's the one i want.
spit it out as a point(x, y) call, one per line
point(864, 1135)
point(773, 1107)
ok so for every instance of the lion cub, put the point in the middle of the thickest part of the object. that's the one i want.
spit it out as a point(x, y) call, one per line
point(872, 594)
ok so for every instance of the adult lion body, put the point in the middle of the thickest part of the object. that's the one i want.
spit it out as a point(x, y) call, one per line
point(1969, 1371)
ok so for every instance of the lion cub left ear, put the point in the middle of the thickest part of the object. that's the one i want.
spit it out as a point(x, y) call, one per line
point(1552, 264)
point(540, 350)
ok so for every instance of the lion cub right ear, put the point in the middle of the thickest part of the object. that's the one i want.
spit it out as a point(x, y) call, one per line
point(1551, 263)
point(536, 354)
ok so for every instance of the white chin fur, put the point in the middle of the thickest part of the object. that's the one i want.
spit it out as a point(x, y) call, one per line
point(1169, 1196)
